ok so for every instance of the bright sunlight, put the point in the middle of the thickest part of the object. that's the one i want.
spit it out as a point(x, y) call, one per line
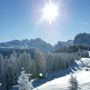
point(50, 12)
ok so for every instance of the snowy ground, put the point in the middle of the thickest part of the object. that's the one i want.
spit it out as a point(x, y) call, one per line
point(62, 83)
point(60, 80)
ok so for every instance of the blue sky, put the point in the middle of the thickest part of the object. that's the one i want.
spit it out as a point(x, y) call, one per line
point(21, 19)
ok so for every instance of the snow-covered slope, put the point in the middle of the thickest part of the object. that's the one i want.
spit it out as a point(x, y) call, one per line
point(79, 71)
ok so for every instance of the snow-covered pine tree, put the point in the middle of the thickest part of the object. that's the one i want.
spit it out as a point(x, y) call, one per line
point(40, 62)
point(24, 60)
point(49, 57)
point(73, 83)
point(14, 67)
point(23, 81)
point(1, 60)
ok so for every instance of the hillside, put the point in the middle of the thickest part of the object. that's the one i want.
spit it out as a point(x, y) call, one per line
point(62, 83)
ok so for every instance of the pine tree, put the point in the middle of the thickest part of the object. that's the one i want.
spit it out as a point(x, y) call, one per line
point(73, 83)
point(1, 60)
point(39, 62)
point(14, 68)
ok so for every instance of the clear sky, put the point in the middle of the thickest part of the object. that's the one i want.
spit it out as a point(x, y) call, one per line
point(22, 19)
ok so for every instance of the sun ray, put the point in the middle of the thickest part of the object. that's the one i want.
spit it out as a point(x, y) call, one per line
point(50, 12)
point(50, 7)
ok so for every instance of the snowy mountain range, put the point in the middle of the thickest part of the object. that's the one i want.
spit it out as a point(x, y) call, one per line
point(35, 43)
point(82, 38)
point(28, 44)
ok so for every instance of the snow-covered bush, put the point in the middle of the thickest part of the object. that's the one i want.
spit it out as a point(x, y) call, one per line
point(73, 83)
point(23, 81)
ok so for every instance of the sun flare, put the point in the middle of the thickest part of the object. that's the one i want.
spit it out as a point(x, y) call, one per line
point(50, 12)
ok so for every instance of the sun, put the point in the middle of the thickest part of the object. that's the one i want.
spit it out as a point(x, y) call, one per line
point(50, 12)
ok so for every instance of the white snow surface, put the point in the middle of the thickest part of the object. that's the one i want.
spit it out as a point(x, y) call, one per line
point(62, 83)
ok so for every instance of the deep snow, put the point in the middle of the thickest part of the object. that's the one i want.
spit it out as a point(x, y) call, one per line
point(62, 83)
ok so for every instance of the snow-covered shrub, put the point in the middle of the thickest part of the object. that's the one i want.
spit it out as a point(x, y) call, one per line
point(23, 81)
point(73, 83)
